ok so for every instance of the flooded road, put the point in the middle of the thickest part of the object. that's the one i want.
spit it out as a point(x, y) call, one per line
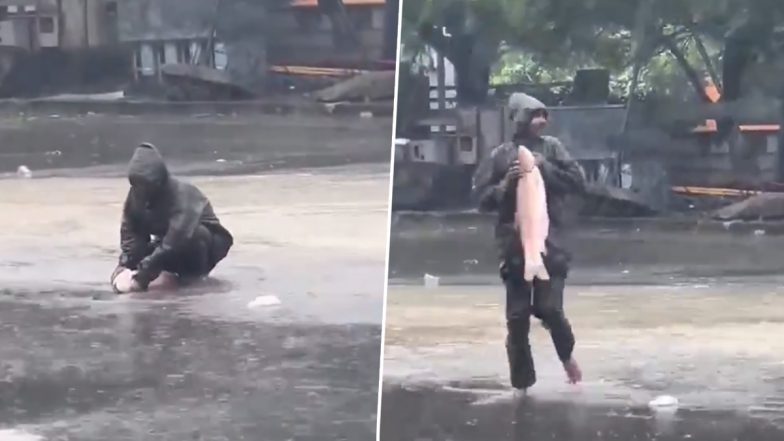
point(431, 414)
point(711, 343)
point(79, 364)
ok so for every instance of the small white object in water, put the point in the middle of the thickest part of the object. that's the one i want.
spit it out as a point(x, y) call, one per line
point(264, 301)
point(24, 172)
point(626, 176)
point(664, 402)
point(122, 282)
point(366, 115)
point(431, 281)
point(759, 232)
point(220, 160)
point(17, 435)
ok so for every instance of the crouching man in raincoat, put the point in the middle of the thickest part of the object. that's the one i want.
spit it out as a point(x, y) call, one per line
point(168, 226)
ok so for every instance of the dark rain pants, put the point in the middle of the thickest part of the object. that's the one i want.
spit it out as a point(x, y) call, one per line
point(543, 300)
point(197, 257)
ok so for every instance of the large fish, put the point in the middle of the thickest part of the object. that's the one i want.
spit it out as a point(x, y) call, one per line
point(533, 223)
point(122, 281)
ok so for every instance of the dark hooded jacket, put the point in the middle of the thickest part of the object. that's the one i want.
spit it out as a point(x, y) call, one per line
point(160, 205)
point(562, 174)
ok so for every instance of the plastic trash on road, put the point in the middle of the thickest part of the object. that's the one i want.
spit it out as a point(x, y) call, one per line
point(431, 281)
point(18, 435)
point(664, 402)
point(263, 301)
point(24, 172)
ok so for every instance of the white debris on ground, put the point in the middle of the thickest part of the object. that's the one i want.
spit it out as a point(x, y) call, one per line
point(431, 281)
point(663, 402)
point(24, 172)
point(263, 301)
point(17, 435)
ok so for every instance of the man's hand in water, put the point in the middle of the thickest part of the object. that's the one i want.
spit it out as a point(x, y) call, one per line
point(135, 286)
point(116, 272)
point(123, 281)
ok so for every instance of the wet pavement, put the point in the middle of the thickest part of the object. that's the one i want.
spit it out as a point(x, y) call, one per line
point(431, 414)
point(79, 364)
point(710, 342)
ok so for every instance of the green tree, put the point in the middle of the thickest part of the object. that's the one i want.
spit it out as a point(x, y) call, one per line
point(648, 37)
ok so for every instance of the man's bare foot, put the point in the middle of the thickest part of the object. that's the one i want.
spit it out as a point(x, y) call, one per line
point(573, 372)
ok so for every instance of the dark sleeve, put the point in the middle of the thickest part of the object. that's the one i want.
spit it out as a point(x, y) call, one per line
point(185, 217)
point(133, 242)
point(487, 186)
point(561, 172)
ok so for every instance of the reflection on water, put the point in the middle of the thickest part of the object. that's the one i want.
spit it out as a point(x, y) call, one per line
point(198, 364)
point(433, 413)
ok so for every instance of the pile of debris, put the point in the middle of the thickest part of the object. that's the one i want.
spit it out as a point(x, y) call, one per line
point(365, 87)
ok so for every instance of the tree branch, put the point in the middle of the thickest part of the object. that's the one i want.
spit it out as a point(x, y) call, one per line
point(683, 62)
point(706, 59)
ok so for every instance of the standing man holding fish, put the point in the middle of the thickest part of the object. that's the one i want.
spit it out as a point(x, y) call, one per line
point(495, 185)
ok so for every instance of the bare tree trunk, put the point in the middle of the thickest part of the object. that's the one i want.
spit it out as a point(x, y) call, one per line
point(691, 73)
point(639, 43)
point(706, 59)
point(472, 76)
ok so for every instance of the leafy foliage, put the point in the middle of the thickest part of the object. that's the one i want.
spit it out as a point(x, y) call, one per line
point(674, 43)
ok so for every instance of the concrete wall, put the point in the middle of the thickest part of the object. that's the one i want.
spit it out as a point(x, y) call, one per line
point(73, 24)
point(78, 23)
point(15, 33)
point(239, 25)
point(86, 23)
point(750, 159)
point(164, 19)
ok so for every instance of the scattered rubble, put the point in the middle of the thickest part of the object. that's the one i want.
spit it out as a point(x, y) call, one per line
point(765, 206)
point(608, 201)
point(192, 82)
point(371, 86)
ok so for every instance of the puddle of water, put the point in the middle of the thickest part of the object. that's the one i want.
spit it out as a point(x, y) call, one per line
point(437, 413)
point(316, 240)
point(708, 347)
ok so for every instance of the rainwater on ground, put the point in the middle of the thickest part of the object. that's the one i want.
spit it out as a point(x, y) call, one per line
point(78, 363)
point(712, 343)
